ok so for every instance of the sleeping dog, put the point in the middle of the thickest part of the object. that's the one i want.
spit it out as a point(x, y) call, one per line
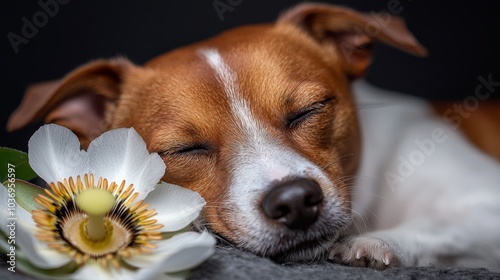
point(295, 159)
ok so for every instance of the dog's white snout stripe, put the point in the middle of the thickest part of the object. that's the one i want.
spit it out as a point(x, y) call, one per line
point(229, 80)
point(263, 157)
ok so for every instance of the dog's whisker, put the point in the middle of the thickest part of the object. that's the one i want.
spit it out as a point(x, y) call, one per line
point(336, 160)
point(344, 179)
point(364, 217)
point(367, 193)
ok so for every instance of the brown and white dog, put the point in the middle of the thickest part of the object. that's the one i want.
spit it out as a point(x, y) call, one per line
point(263, 122)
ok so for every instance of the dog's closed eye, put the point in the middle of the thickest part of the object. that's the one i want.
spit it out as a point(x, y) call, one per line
point(189, 149)
point(295, 119)
point(194, 149)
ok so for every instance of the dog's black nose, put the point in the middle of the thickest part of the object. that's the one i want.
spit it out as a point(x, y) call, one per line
point(294, 203)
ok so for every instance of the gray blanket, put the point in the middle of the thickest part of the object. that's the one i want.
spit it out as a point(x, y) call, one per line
point(230, 263)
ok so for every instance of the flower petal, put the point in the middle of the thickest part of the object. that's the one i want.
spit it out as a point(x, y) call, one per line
point(121, 154)
point(92, 270)
point(25, 216)
point(54, 153)
point(37, 252)
point(23, 229)
point(176, 207)
point(181, 252)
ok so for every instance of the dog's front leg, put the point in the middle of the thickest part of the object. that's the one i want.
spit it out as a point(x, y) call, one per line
point(366, 251)
point(399, 246)
point(469, 240)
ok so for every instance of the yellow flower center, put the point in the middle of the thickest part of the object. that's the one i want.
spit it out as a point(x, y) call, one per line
point(95, 222)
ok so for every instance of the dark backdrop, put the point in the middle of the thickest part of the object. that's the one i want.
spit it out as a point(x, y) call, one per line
point(462, 37)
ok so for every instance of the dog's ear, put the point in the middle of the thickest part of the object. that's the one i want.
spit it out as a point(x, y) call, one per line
point(351, 33)
point(79, 102)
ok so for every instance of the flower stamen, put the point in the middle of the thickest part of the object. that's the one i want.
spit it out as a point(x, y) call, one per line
point(102, 222)
point(95, 203)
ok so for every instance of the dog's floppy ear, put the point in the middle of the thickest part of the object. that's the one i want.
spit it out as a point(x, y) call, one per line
point(80, 101)
point(351, 33)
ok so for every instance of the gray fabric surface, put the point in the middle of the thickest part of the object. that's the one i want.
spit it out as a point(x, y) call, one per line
point(230, 263)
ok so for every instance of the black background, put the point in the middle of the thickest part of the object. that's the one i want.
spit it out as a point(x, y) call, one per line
point(461, 36)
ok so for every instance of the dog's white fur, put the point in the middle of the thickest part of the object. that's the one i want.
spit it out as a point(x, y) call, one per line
point(447, 211)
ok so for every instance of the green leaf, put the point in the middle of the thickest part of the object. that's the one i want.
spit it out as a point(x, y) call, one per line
point(15, 163)
point(168, 235)
point(25, 193)
point(63, 272)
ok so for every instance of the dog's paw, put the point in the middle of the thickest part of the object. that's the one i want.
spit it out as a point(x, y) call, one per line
point(364, 251)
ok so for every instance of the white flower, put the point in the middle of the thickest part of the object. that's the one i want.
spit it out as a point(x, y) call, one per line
point(134, 243)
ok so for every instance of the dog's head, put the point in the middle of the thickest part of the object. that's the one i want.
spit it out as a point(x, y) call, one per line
point(259, 120)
